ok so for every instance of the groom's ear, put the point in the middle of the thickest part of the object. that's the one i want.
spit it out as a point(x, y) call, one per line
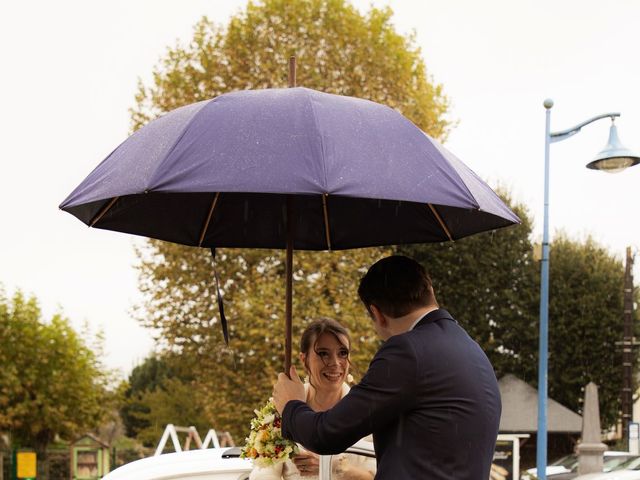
point(377, 315)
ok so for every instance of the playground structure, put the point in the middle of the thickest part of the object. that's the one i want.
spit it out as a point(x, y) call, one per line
point(212, 438)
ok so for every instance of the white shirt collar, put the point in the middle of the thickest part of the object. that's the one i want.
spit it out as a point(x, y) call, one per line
point(421, 317)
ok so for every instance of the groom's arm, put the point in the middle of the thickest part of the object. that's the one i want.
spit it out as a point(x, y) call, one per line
point(384, 393)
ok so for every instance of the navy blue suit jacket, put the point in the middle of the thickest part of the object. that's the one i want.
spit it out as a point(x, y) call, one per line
point(430, 398)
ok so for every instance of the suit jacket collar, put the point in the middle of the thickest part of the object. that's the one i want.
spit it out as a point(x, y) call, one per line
point(434, 316)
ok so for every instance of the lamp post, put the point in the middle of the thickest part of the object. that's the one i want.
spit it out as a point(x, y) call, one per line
point(628, 346)
point(613, 158)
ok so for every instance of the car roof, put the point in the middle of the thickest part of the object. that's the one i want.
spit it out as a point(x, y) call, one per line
point(179, 464)
point(198, 463)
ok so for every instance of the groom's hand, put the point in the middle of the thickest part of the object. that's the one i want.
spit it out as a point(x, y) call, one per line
point(287, 389)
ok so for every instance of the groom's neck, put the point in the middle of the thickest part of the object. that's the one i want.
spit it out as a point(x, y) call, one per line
point(406, 322)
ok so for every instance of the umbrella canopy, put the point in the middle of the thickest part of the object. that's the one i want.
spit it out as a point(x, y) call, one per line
point(286, 168)
point(218, 173)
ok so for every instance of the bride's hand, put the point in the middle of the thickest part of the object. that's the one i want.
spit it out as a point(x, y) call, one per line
point(307, 463)
point(343, 469)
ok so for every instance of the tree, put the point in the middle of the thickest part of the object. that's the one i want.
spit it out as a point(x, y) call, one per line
point(585, 322)
point(144, 378)
point(51, 382)
point(160, 391)
point(173, 401)
point(339, 51)
point(488, 282)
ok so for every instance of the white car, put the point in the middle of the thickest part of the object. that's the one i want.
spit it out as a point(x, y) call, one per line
point(629, 470)
point(566, 464)
point(206, 464)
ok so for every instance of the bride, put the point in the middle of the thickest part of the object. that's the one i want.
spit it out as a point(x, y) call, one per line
point(324, 352)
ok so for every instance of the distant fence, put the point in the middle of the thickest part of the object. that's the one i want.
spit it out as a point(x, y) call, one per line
point(4, 464)
point(56, 463)
point(54, 466)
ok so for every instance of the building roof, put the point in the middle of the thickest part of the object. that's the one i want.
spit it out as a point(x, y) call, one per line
point(520, 410)
point(88, 438)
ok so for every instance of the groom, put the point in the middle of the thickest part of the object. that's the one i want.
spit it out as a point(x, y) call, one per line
point(429, 397)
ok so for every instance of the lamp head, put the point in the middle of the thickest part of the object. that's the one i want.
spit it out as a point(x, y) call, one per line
point(614, 157)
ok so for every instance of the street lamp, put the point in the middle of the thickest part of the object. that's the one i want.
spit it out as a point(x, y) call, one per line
point(613, 158)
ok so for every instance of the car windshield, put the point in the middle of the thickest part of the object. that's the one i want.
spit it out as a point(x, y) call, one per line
point(612, 463)
point(567, 461)
point(632, 463)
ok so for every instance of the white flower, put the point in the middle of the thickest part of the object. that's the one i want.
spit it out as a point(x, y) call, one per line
point(268, 419)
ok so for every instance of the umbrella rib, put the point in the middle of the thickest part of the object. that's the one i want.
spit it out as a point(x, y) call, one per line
point(439, 218)
point(103, 211)
point(326, 220)
point(206, 224)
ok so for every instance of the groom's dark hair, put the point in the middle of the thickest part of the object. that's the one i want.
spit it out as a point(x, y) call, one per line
point(397, 285)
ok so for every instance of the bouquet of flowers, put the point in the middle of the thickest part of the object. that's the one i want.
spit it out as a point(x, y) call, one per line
point(265, 445)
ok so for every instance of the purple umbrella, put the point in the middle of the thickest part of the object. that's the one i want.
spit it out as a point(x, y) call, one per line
point(286, 168)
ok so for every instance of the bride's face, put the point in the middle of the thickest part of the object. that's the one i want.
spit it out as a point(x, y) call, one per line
point(328, 364)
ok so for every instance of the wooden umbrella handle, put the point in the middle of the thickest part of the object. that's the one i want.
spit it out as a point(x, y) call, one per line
point(289, 259)
point(292, 71)
point(289, 285)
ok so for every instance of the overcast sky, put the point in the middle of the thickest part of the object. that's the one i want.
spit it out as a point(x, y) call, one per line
point(69, 74)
